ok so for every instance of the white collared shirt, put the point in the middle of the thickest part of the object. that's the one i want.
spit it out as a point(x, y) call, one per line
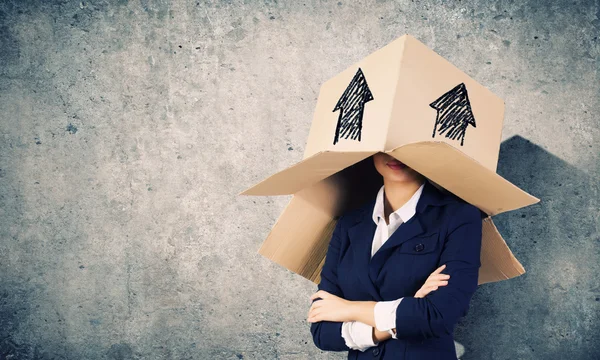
point(358, 335)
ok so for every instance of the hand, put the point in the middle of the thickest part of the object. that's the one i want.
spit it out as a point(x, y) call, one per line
point(330, 308)
point(433, 281)
point(379, 336)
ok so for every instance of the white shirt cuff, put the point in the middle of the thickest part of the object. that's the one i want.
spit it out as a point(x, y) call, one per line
point(358, 335)
point(385, 315)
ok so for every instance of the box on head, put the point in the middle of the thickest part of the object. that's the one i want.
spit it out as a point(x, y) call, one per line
point(405, 100)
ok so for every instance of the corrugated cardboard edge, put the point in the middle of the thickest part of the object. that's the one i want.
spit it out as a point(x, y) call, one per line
point(307, 172)
point(497, 261)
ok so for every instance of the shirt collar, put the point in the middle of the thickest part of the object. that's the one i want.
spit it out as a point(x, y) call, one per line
point(405, 212)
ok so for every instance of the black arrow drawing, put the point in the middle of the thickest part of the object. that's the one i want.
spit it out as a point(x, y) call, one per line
point(351, 105)
point(454, 113)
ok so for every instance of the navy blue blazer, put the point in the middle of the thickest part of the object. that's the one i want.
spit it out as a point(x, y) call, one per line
point(444, 230)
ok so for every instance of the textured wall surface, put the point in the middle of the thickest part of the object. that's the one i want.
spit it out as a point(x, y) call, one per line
point(128, 127)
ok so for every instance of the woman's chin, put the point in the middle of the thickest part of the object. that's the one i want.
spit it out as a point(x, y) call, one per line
point(398, 176)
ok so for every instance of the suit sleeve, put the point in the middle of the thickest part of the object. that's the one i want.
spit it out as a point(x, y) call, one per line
point(327, 335)
point(438, 313)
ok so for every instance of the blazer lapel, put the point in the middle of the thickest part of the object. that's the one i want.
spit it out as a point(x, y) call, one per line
point(405, 232)
point(361, 238)
point(414, 226)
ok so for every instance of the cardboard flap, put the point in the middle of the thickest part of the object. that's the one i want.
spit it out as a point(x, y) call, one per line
point(299, 239)
point(497, 261)
point(306, 172)
point(463, 176)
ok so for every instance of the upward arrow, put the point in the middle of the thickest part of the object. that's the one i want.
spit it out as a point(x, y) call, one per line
point(454, 113)
point(351, 105)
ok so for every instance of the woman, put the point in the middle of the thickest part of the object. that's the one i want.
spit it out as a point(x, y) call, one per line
point(382, 292)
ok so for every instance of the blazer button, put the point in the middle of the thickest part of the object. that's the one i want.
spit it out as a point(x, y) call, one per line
point(419, 247)
point(376, 351)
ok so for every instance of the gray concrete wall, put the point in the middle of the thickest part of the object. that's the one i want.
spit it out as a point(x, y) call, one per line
point(128, 127)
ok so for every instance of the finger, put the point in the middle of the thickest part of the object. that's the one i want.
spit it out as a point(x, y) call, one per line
point(319, 294)
point(440, 276)
point(315, 316)
point(432, 280)
point(438, 270)
point(316, 309)
point(436, 283)
point(436, 274)
point(440, 283)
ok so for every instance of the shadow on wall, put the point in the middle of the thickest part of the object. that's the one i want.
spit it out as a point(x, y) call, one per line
point(551, 311)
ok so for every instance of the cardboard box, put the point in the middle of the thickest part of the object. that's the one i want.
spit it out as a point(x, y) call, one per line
point(406, 100)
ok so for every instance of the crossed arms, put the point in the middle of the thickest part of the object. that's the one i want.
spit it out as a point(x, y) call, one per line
point(434, 315)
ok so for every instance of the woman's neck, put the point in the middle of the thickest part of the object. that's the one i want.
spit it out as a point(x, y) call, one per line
point(396, 194)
